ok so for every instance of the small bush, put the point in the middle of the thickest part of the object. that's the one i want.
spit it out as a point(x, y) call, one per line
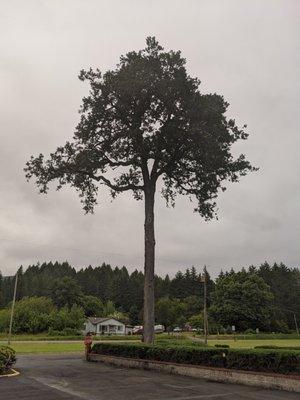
point(7, 359)
point(277, 361)
point(224, 346)
point(250, 331)
point(64, 332)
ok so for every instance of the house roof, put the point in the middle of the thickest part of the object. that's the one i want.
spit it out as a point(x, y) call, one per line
point(98, 320)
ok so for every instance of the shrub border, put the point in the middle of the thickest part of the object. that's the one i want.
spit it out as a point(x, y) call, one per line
point(257, 360)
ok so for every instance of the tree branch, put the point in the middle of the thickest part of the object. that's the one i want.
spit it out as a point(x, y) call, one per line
point(114, 187)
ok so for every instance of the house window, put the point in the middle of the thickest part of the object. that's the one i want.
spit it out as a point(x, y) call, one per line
point(120, 328)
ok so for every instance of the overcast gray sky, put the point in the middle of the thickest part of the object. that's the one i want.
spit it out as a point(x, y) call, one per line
point(246, 50)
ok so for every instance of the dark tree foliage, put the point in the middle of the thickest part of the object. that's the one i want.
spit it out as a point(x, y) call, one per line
point(103, 282)
point(144, 122)
point(236, 300)
point(92, 306)
point(285, 286)
point(162, 286)
point(243, 300)
point(1, 289)
point(66, 292)
point(170, 312)
point(97, 281)
point(189, 284)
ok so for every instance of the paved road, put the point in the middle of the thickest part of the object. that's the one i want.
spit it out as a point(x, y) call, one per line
point(66, 377)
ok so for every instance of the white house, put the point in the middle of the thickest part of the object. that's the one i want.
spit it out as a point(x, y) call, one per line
point(106, 326)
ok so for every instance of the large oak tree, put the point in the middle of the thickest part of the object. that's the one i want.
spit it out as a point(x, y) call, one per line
point(243, 300)
point(143, 122)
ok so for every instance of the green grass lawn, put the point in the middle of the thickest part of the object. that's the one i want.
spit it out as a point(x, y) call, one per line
point(31, 346)
point(54, 347)
point(45, 336)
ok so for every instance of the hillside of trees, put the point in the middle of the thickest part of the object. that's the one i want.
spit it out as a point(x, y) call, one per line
point(263, 297)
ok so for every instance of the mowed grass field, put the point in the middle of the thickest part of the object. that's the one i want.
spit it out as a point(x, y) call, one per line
point(46, 347)
point(78, 346)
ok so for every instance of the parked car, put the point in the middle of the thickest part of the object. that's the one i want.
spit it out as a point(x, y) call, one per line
point(137, 330)
point(177, 329)
point(159, 328)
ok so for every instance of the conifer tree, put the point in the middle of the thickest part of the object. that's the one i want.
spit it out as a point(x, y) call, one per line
point(143, 123)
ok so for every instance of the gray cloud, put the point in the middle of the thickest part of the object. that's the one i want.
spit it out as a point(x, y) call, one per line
point(248, 51)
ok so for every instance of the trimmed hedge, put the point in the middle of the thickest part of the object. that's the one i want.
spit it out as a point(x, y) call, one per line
point(7, 359)
point(277, 361)
point(177, 354)
point(224, 346)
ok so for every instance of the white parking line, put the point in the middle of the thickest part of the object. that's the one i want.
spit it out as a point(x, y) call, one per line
point(63, 387)
point(184, 387)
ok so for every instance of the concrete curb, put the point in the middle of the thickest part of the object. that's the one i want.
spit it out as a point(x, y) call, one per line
point(265, 380)
point(14, 373)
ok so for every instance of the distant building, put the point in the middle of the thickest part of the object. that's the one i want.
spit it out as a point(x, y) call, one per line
point(106, 326)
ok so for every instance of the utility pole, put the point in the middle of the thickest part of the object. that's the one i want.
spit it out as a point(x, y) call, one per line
point(12, 309)
point(205, 320)
point(296, 325)
point(295, 319)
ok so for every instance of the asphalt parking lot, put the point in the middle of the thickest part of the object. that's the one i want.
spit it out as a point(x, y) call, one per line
point(68, 376)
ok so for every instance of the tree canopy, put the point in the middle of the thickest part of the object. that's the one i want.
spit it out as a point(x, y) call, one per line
point(143, 122)
point(258, 298)
point(243, 300)
point(146, 119)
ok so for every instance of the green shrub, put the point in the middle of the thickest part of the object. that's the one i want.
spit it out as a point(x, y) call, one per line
point(250, 331)
point(278, 361)
point(64, 332)
point(195, 355)
point(224, 346)
point(7, 358)
point(264, 360)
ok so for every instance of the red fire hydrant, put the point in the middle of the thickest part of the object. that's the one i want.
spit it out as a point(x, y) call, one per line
point(88, 345)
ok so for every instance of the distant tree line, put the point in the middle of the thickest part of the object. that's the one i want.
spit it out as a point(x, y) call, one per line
point(264, 297)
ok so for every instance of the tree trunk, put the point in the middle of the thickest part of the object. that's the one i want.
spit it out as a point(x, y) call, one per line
point(148, 333)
